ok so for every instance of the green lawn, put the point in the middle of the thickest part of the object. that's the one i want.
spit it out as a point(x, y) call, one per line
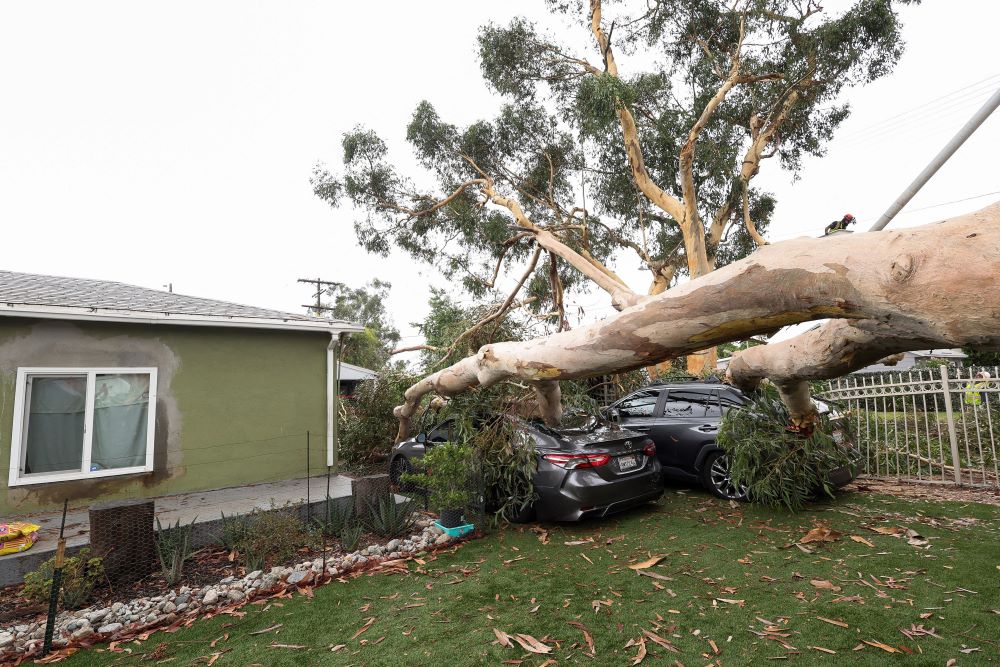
point(445, 611)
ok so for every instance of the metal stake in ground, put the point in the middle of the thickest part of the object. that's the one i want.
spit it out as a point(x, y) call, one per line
point(50, 623)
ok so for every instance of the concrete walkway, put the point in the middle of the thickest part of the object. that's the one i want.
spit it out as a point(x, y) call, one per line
point(205, 506)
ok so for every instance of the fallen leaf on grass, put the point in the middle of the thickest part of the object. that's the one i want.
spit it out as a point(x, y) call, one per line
point(576, 543)
point(738, 603)
point(503, 638)
point(820, 534)
point(825, 585)
point(824, 650)
point(530, 644)
point(584, 557)
point(291, 646)
point(587, 637)
point(364, 628)
point(56, 656)
point(888, 530)
point(649, 562)
point(596, 604)
point(665, 643)
point(641, 655)
point(839, 624)
point(543, 535)
point(265, 630)
point(884, 647)
point(338, 647)
point(653, 575)
point(861, 540)
point(215, 656)
point(215, 641)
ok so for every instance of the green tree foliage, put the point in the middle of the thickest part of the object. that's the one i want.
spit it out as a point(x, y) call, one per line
point(450, 329)
point(980, 357)
point(780, 468)
point(366, 305)
point(680, 52)
point(367, 427)
point(493, 193)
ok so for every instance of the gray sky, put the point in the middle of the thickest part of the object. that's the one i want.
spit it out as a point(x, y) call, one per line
point(153, 143)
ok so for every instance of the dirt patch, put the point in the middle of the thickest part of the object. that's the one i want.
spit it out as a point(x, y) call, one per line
point(925, 491)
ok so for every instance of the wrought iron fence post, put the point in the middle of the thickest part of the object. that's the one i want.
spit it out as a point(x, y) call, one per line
point(950, 415)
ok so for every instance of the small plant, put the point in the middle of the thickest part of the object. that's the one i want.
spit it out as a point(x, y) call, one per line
point(337, 515)
point(235, 530)
point(80, 574)
point(173, 546)
point(350, 535)
point(388, 518)
point(445, 473)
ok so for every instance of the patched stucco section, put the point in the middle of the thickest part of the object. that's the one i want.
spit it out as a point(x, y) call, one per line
point(234, 405)
point(63, 344)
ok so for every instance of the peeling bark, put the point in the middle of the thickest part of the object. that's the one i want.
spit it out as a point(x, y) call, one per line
point(897, 287)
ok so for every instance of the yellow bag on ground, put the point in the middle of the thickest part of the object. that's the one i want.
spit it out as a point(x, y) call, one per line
point(17, 536)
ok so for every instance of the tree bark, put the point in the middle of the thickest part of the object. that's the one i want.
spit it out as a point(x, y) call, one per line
point(898, 287)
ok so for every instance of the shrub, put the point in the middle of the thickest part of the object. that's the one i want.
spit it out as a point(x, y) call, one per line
point(367, 427)
point(445, 474)
point(80, 575)
point(778, 467)
point(235, 530)
point(173, 546)
point(263, 538)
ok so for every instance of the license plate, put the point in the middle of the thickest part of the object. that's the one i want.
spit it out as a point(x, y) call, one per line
point(628, 462)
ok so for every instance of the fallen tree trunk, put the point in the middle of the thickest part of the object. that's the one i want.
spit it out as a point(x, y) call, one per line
point(930, 286)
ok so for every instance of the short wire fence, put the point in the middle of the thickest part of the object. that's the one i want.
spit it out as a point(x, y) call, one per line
point(932, 425)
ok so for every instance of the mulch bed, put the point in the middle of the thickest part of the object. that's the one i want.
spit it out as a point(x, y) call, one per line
point(206, 566)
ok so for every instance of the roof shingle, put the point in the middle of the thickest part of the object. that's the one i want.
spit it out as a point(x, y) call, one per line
point(29, 289)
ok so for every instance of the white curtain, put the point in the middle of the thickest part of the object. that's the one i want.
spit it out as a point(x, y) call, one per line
point(121, 417)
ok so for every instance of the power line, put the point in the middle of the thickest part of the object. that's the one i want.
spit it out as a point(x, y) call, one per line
point(924, 208)
point(981, 84)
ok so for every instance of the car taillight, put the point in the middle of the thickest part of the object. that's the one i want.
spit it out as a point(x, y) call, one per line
point(649, 449)
point(577, 461)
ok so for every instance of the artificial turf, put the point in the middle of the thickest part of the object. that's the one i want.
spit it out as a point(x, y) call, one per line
point(732, 589)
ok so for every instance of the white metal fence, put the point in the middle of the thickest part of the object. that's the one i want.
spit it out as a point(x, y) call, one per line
point(927, 424)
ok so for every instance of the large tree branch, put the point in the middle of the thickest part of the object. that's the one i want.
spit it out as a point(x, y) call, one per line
point(899, 279)
point(621, 294)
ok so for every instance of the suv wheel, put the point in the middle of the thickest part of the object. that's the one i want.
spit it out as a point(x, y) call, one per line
point(716, 478)
point(397, 468)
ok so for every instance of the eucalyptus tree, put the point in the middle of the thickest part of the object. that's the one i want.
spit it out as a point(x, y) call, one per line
point(715, 90)
point(667, 150)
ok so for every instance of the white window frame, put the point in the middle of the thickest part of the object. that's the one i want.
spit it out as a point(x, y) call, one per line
point(18, 451)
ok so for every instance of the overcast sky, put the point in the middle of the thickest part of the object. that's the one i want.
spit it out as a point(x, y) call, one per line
point(156, 143)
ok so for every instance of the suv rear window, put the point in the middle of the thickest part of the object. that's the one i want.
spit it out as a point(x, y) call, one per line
point(689, 403)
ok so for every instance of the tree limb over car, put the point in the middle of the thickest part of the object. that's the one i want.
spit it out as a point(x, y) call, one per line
point(888, 292)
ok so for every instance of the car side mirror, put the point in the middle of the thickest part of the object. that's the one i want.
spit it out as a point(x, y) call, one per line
point(421, 438)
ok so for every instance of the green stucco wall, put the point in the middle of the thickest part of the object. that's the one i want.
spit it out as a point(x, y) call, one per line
point(233, 405)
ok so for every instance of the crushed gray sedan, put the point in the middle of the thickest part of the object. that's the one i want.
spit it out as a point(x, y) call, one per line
point(591, 471)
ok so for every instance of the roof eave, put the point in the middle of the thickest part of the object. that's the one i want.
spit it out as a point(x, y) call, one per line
point(178, 319)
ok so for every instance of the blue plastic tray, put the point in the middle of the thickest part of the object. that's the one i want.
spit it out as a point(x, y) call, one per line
point(457, 531)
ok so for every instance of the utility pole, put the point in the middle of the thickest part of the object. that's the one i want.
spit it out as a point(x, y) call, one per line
point(321, 287)
point(939, 159)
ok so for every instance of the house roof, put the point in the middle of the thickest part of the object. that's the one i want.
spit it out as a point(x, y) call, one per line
point(352, 373)
point(57, 297)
